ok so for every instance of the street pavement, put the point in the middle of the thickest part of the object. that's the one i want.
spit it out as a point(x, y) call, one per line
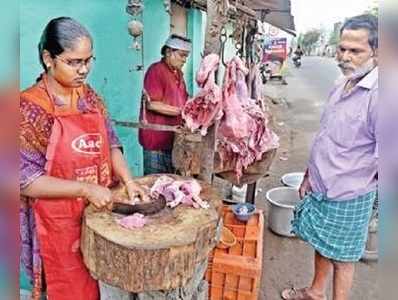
point(296, 112)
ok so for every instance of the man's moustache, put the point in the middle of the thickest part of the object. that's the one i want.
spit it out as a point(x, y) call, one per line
point(344, 66)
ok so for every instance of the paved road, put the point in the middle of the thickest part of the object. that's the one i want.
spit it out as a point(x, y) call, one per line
point(317, 75)
point(288, 261)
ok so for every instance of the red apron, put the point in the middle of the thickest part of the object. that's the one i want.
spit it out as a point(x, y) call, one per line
point(78, 150)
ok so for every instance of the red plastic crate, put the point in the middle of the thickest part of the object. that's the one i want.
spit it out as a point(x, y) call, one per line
point(235, 273)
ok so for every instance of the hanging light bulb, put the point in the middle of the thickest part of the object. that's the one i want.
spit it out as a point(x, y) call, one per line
point(135, 29)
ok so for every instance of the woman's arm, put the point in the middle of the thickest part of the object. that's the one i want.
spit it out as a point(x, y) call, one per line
point(163, 109)
point(52, 188)
point(119, 165)
point(121, 170)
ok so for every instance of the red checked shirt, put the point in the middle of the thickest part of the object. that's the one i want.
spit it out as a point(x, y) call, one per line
point(168, 86)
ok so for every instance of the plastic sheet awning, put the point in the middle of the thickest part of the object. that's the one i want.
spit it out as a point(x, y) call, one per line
point(275, 12)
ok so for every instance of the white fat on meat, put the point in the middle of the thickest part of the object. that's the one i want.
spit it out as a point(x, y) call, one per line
point(178, 192)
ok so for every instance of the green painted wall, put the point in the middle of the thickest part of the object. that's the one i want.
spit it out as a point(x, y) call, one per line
point(195, 32)
point(114, 74)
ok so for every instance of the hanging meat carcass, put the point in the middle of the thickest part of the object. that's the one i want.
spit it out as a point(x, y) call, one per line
point(244, 135)
point(201, 111)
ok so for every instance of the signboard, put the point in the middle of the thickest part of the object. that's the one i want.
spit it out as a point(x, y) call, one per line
point(275, 54)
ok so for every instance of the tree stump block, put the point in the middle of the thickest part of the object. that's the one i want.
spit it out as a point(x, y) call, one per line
point(250, 175)
point(187, 151)
point(162, 255)
point(195, 289)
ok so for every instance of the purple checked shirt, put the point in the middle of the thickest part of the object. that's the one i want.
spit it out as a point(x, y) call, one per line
point(344, 154)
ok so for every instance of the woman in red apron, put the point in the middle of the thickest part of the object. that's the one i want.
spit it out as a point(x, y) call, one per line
point(69, 155)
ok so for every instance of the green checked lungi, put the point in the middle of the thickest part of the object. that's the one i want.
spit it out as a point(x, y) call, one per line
point(157, 162)
point(336, 229)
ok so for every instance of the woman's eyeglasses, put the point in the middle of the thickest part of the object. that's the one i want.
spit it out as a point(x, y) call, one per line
point(77, 63)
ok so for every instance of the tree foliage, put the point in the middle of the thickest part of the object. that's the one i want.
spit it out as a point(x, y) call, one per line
point(373, 9)
point(334, 37)
point(310, 38)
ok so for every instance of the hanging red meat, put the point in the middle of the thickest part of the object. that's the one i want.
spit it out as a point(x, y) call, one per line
point(201, 111)
point(244, 134)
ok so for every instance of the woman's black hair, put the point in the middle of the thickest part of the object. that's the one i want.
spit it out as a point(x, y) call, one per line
point(60, 34)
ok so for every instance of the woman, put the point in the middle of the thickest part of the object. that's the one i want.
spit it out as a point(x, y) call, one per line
point(166, 94)
point(69, 156)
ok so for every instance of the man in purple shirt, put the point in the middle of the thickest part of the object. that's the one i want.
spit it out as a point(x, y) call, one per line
point(339, 187)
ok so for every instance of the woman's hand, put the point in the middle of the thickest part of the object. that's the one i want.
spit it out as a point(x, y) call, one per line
point(134, 190)
point(305, 187)
point(120, 169)
point(98, 195)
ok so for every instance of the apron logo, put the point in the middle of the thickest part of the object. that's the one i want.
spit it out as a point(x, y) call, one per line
point(88, 143)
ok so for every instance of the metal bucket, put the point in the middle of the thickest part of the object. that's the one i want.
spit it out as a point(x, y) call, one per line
point(282, 202)
point(293, 179)
point(371, 253)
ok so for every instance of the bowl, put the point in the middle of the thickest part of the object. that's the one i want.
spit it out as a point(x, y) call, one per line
point(243, 211)
point(228, 239)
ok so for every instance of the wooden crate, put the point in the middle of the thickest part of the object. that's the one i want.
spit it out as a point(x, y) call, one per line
point(235, 273)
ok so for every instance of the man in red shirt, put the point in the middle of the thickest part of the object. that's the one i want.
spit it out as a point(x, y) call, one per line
point(166, 94)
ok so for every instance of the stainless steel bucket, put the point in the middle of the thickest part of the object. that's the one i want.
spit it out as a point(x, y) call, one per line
point(282, 202)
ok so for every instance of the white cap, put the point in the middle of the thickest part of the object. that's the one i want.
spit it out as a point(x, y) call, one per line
point(179, 43)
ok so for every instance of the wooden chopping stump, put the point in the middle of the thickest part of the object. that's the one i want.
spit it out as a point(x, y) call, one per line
point(187, 151)
point(160, 256)
point(250, 175)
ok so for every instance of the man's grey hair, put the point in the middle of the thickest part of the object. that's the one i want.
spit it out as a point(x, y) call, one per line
point(368, 22)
